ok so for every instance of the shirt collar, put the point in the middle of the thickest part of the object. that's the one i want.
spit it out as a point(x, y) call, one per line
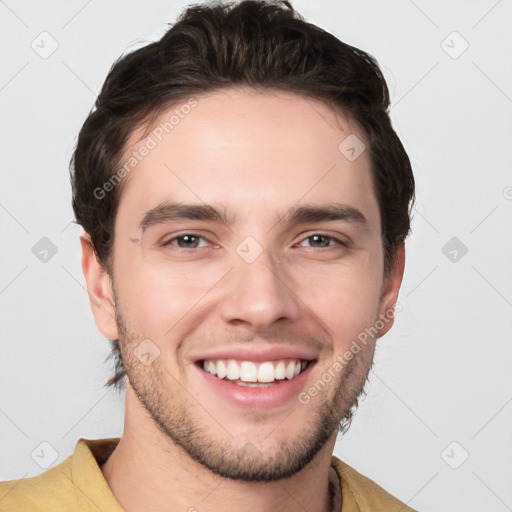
point(90, 454)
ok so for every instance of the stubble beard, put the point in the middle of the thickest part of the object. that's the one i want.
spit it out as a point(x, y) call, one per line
point(174, 413)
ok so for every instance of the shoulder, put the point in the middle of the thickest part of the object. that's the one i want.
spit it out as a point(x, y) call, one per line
point(76, 484)
point(51, 490)
point(364, 493)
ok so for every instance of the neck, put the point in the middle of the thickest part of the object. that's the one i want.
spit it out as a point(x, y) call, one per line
point(148, 471)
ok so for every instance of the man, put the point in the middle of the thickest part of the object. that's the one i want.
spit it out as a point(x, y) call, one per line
point(245, 202)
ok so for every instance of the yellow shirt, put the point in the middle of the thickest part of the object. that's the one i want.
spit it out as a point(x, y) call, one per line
point(77, 485)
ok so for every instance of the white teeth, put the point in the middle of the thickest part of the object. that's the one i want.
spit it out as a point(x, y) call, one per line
point(221, 369)
point(233, 373)
point(280, 371)
point(255, 384)
point(250, 372)
point(266, 372)
point(290, 370)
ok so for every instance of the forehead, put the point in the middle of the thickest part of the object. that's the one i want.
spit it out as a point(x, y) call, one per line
point(250, 150)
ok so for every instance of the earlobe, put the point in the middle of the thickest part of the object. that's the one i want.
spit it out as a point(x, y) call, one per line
point(390, 289)
point(100, 290)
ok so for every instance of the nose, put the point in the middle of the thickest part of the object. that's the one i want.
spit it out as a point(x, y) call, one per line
point(258, 294)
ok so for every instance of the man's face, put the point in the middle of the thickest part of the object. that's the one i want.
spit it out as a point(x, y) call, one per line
point(260, 281)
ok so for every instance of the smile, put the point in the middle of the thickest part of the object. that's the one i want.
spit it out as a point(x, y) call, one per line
point(249, 373)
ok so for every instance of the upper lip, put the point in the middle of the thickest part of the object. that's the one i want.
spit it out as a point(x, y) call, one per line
point(258, 354)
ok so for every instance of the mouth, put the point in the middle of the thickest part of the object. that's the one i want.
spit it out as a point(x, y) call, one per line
point(255, 374)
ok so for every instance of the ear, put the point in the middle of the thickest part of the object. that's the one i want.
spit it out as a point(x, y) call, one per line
point(389, 291)
point(100, 289)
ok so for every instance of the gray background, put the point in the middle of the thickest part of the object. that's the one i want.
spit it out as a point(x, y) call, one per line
point(441, 389)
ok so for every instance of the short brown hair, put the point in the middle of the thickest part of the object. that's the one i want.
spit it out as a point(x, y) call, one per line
point(255, 43)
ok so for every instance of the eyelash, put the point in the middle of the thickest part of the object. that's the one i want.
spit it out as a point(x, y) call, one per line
point(195, 235)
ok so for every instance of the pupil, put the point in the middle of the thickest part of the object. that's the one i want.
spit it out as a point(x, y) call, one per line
point(317, 237)
point(191, 240)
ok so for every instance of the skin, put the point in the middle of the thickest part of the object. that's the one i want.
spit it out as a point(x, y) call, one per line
point(255, 156)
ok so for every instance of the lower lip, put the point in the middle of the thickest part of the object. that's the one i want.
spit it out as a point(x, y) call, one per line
point(255, 397)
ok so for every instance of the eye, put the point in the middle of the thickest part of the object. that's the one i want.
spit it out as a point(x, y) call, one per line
point(319, 240)
point(187, 241)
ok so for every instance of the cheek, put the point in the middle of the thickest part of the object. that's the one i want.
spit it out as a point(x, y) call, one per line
point(345, 299)
point(155, 295)
point(158, 295)
point(346, 309)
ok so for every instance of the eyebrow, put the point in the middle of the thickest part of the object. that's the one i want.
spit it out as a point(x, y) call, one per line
point(169, 211)
point(310, 214)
